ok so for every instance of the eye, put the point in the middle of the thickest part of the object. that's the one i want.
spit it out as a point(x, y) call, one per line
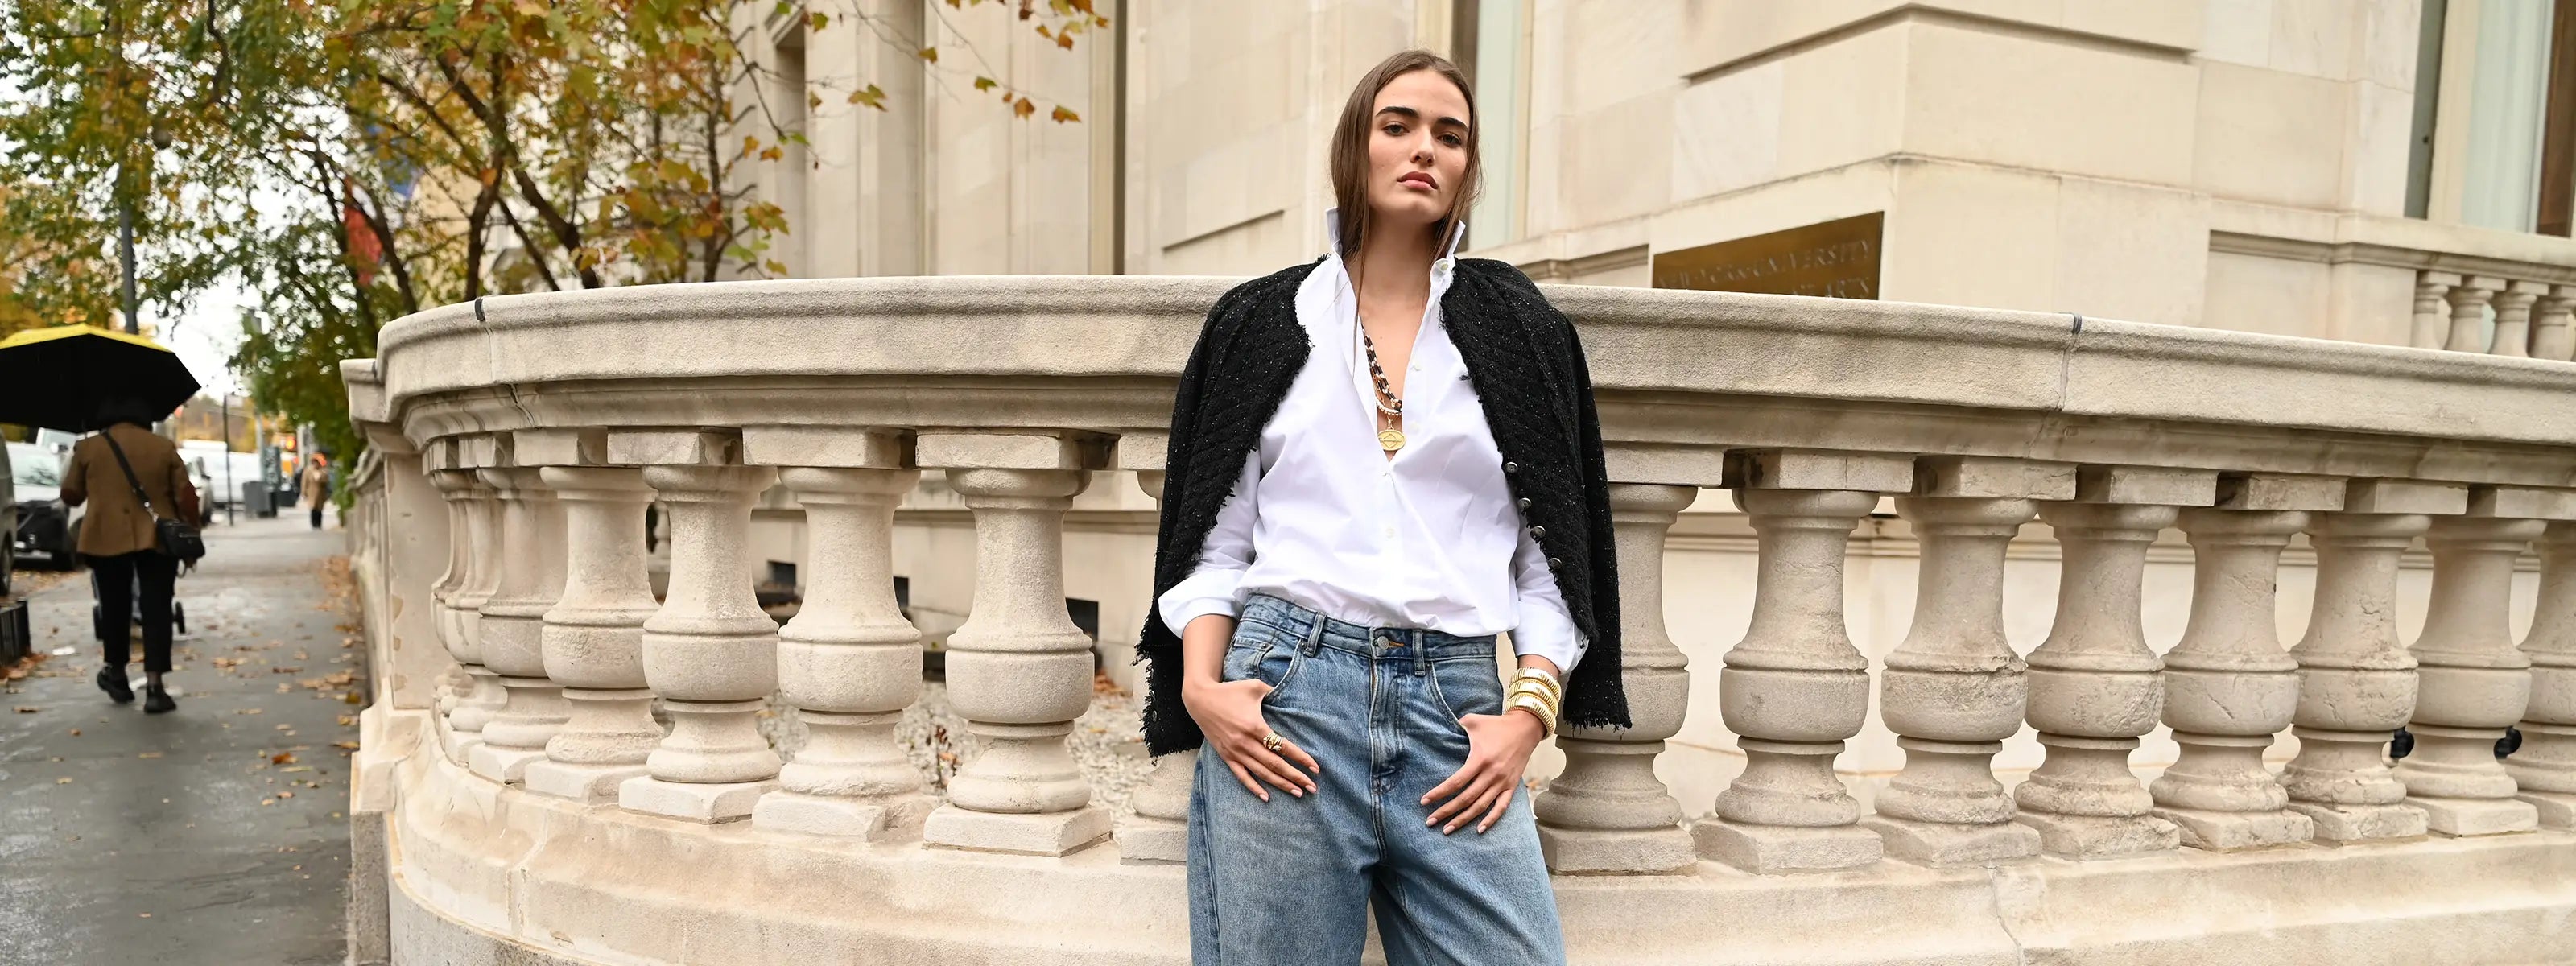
point(1453, 140)
point(1393, 129)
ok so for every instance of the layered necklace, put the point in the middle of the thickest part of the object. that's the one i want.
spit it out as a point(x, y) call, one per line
point(1390, 407)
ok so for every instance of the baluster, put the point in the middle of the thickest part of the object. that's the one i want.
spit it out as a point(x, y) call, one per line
point(456, 684)
point(1019, 671)
point(2230, 685)
point(1607, 812)
point(2432, 318)
point(2551, 335)
point(2473, 682)
point(2095, 685)
point(849, 663)
point(2356, 682)
point(710, 652)
point(2513, 317)
point(1794, 688)
point(1954, 690)
point(532, 569)
point(1158, 831)
point(2469, 301)
point(483, 696)
point(593, 635)
point(2545, 767)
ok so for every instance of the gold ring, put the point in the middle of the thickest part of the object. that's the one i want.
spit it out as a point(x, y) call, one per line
point(1271, 741)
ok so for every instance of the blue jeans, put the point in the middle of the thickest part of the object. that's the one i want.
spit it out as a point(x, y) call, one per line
point(1292, 880)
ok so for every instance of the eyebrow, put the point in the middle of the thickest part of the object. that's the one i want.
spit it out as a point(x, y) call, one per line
point(1417, 115)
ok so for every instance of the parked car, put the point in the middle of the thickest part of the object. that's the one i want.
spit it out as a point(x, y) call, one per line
point(43, 525)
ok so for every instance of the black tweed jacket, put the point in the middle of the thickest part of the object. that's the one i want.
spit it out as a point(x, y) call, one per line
point(1528, 370)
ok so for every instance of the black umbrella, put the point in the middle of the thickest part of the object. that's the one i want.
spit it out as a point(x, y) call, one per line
point(79, 378)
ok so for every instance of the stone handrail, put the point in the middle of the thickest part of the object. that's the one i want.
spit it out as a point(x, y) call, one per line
point(542, 798)
point(2476, 290)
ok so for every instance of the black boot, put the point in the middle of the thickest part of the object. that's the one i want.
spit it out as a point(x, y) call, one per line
point(156, 701)
point(112, 681)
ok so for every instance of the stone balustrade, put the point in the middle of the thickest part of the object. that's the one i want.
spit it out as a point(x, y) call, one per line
point(2495, 314)
point(530, 809)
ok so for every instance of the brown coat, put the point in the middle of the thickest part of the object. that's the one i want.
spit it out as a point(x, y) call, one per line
point(317, 481)
point(117, 525)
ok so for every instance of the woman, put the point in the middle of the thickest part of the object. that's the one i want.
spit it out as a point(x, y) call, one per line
point(1379, 462)
point(317, 485)
point(118, 541)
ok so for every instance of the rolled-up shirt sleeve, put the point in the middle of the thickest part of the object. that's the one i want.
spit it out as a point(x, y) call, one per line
point(1211, 589)
point(1542, 624)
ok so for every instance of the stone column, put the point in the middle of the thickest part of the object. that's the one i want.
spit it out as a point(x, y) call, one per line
point(710, 652)
point(2472, 681)
point(849, 662)
point(457, 489)
point(1158, 830)
point(1607, 813)
point(2356, 682)
point(2545, 767)
point(2095, 686)
point(2469, 301)
point(2432, 317)
point(1795, 687)
point(2230, 686)
point(593, 637)
point(1019, 671)
point(2513, 317)
point(481, 544)
point(1954, 690)
point(532, 576)
point(2551, 336)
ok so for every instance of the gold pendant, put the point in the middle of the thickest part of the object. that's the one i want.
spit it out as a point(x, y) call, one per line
point(1390, 440)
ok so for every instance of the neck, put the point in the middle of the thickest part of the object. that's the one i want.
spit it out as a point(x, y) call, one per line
point(1395, 261)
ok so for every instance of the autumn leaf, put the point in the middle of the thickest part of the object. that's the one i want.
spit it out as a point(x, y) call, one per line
point(986, 83)
point(814, 21)
point(1064, 40)
point(1024, 108)
point(871, 96)
point(283, 757)
point(930, 54)
point(1063, 116)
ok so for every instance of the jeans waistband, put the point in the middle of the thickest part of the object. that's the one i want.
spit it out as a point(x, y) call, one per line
point(1314, 629)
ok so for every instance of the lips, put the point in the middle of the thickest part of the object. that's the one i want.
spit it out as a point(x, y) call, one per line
point(1420, 178)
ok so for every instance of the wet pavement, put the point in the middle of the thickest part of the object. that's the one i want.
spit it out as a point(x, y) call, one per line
point(217, 833)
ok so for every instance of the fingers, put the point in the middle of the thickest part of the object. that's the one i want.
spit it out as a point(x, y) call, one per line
point(1248, 784)
point(1272, 768)
point(1501, 805)
point(1476, 791)
point(1303, 760)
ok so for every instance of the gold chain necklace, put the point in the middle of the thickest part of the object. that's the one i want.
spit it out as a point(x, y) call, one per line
point(1390, 408)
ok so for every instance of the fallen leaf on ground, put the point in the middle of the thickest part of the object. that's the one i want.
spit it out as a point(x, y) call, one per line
point(282, 758)
point(286, 670)
point(345, 745)
point(268, 801)
point(286, 794)
point(76, 732)
point(23, 709)
point(250, 710)
point(151, 754)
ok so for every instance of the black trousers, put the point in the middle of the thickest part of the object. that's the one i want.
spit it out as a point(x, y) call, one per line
point(116, 576)
point(317, 516)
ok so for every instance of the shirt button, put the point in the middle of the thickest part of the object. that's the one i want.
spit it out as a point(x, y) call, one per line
point(1390, 533)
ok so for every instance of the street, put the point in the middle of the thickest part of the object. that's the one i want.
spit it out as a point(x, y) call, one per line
point(215, 834)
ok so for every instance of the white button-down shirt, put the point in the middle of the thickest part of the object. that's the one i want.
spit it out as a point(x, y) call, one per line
point(1321, 516)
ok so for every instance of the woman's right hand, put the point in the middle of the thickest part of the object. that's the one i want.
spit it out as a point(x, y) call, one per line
point(1229, 713)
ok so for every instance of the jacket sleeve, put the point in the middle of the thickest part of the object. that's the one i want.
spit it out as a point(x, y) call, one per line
point(75, 487)
point(1211, 588)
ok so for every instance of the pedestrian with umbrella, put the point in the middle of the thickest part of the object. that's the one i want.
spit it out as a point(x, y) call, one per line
point(81, 379)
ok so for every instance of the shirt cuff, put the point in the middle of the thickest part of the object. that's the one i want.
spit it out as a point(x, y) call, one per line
point(1209, 591)
point(1549, 633)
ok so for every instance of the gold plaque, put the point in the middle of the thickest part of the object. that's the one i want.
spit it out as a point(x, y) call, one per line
point(1836, 259)
point(1390, 440)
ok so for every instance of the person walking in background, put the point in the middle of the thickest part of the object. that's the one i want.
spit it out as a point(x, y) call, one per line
point(317, 485)
point(118, 541)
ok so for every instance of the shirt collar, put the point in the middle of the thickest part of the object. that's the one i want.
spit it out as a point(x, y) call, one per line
point(1448, 255)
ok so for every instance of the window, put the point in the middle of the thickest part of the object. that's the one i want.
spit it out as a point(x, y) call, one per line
point(2495, 115)
point(1490, 44)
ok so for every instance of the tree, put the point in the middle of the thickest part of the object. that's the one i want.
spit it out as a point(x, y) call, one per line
point(352, 161)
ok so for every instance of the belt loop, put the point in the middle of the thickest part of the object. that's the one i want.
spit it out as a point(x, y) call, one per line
point(1421, 641)
point(1315, 627)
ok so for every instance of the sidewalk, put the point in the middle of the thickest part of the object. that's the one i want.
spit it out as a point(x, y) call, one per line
point(215, 834)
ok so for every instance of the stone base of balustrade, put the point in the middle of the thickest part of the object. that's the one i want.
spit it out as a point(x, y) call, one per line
point(2357, 824)
point(2555, 811)
point(506, 765)
point(482, 874)
point(1024, 833)
point(1662, 851)
point(1944, 844)
point(691, 802)
point(587, 784)
point(2238, 831)
point(1152, 841)
point(2087, 838)
point(1783, 849)
point(2477, 816)
point(857, 818)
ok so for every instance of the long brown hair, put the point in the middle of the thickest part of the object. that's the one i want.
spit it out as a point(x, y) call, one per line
point(1350, 155)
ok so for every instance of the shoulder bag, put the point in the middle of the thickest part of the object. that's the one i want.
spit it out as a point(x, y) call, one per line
point(170, 535)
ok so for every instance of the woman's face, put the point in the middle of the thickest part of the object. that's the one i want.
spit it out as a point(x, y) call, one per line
point(1417, 150)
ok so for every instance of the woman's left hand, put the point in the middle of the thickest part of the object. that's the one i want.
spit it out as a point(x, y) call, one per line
point(1498, 751)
